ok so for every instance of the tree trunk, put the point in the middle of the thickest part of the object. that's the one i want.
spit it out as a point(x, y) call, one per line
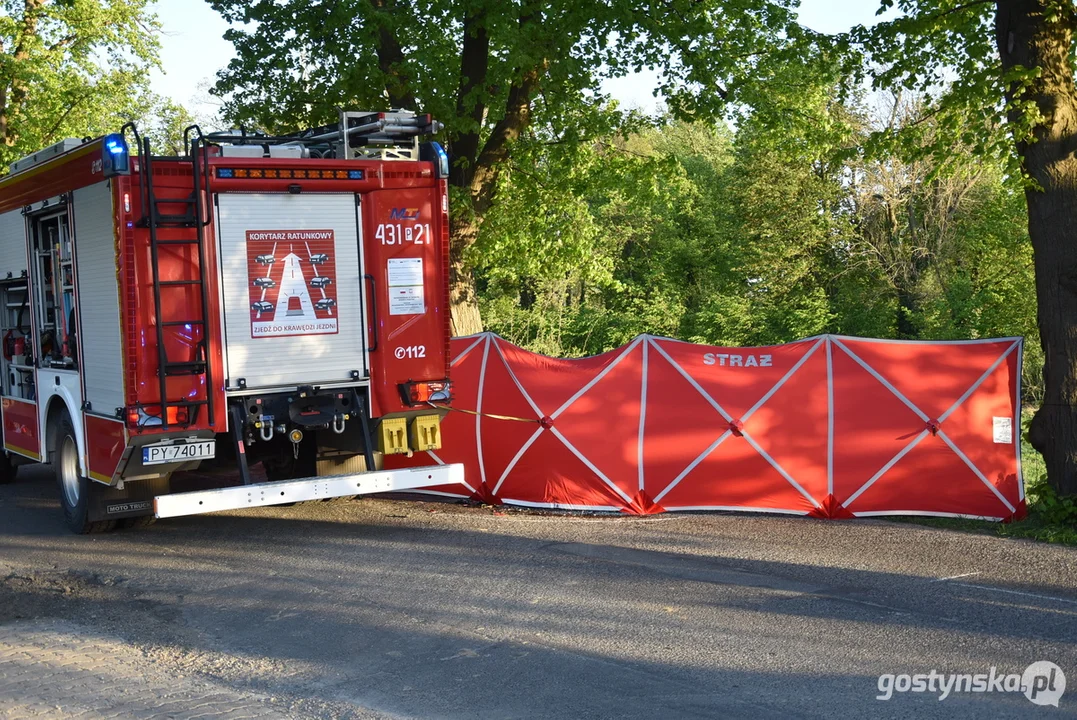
point(480, 179)
point(1025, 38)
point(463, 299)
point(391, 63)
point(907, 310)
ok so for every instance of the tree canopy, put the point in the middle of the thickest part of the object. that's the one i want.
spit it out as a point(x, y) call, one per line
point(506, 78)
point(71, 68)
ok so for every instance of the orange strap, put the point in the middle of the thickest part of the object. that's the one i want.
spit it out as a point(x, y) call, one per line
point(489, 415)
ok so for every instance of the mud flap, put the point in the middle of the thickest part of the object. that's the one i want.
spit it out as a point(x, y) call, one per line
point(135, 500)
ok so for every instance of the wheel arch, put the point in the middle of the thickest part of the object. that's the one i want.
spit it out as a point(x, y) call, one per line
point(59, 405)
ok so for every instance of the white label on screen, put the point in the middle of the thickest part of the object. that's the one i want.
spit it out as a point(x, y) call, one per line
point(1003, 427)
point(405, 271)
point(406, 300)
point(406, 286)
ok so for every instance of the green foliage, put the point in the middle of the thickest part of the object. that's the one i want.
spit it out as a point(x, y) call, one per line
point(986, 286)
point(665, 254)
point(922, 52)
point(998, 78)
point(758, 236)
point(164, 124)
point(71, 68)
point(1051, 516)
point(343, 55)
point(520, 89)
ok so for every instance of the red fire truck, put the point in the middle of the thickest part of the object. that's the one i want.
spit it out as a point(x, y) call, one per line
point(269, 311)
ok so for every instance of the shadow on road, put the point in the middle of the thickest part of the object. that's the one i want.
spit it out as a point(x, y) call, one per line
point(464, 614)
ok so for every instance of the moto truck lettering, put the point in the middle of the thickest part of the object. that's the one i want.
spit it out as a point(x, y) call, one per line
point(250, 321)
point(734, 360)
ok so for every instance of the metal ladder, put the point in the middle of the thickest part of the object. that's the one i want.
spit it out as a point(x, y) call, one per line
point(195, 219)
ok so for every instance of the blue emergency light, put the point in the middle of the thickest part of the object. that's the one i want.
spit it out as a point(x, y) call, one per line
point(442, 159)
point(433, 152)
point(115, 159)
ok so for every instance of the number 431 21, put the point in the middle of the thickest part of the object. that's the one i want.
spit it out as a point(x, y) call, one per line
point(398, 234)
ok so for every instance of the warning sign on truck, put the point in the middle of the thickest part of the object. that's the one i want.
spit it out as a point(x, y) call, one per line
point(406, 286)
point(292, 282)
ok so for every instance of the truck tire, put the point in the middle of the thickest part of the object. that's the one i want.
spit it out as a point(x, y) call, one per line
point(138, 522)
point(75, 488)
point(7, 469)
point(150, 488)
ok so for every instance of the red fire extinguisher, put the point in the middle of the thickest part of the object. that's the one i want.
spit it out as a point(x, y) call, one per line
point(14, 347)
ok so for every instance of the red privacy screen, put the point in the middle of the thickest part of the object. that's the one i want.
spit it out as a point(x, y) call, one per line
point(829, 427)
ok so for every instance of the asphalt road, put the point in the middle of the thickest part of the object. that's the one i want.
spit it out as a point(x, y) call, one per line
point(393, 608)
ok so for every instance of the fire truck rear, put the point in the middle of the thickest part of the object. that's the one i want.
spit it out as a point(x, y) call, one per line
point(264, 318)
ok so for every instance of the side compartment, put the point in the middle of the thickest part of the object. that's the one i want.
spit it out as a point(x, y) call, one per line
point(20, 427)
point(12, 245)
point(16, 363)
point(18, 407)
point(407, 265)
point(100, 336)
point(106, 441)
point(100, 331)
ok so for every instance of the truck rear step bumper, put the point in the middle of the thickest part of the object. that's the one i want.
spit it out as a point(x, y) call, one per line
point(316, 488)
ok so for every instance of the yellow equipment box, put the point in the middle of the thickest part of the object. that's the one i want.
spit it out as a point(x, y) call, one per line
point(393, 436)
point(425, 433)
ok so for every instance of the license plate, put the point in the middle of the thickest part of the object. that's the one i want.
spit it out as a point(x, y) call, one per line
point(177, 452)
